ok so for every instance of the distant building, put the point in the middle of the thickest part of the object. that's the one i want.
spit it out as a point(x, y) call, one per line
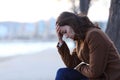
point(3, 31)
point(39, 30)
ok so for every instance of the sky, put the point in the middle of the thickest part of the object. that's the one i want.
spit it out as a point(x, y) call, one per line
point(31, 10)
point(99, 10)
point(35, 10)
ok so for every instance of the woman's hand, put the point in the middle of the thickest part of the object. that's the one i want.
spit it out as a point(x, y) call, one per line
point(59, 34)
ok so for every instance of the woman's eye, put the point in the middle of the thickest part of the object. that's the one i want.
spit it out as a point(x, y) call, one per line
point(65, 32)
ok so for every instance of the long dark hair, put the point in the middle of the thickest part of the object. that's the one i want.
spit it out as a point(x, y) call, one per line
point(80, 24)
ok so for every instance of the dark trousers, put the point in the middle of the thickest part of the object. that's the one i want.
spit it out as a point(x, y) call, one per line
point(69, 74)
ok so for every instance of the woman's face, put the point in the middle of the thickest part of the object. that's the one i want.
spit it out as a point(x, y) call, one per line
point(67, 31)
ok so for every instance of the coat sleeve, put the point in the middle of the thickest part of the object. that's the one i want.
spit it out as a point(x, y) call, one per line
point(70, 60)
point(98, 55)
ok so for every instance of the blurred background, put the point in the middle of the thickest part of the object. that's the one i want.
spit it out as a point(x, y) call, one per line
point(28, 38)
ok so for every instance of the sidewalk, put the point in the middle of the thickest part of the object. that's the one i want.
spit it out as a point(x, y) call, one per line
point(39, 66)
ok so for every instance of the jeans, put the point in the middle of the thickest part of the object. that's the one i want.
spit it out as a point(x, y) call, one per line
point(69, 74)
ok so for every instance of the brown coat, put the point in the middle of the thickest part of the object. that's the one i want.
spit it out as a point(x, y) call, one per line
point(98, 51)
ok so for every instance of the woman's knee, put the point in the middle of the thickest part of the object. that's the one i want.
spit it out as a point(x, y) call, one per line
point(62, 71)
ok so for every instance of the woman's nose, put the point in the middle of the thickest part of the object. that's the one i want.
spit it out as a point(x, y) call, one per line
point(66, 35)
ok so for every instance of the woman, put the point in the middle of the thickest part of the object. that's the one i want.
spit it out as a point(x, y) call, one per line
point(94, 58)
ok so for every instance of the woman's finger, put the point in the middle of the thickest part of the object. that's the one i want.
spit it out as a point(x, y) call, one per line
point(58, 29)
point(57, 26)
